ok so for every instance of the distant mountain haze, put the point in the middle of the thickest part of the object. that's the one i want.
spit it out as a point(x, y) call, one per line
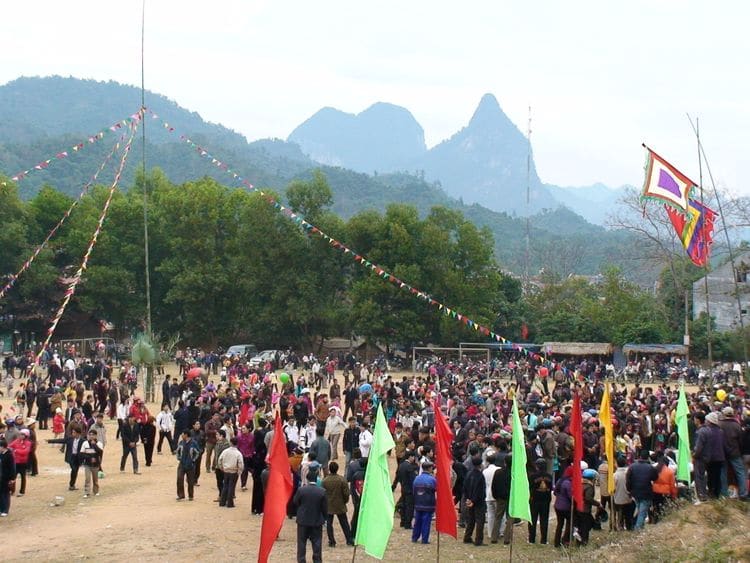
point(382, 138)
point(480, 171)
point(485, 162)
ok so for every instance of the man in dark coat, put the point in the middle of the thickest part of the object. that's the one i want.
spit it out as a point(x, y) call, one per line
point(474, 493)
point(405, 475)
point(131, 432)
point(312, 512)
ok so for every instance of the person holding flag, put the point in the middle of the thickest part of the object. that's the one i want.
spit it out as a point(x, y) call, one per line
point(375, 522)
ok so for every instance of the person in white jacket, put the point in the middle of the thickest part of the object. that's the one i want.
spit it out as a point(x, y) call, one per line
point(335, 426)
point(165, 424)
point(365, 440)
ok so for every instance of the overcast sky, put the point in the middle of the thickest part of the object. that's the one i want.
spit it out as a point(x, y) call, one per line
point(601, 77)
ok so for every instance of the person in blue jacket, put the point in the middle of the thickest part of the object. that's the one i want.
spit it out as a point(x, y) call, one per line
point(424, 503)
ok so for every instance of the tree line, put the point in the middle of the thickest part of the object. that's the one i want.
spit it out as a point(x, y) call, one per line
point(227, 267)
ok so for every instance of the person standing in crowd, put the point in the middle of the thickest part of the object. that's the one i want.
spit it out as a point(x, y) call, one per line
point(7, 477)
point(585, 518)
point(350, 441)
point(365, 439)
point(334, 428)
point(230, 464)
point(219, 447)
point(188, 456)
point(21, 448)
point(406, 472)
point(165, 423)
point(563, 504)
point(246, 446)
point(700, 455)
point(474, 492)
point(732, 431)
point(337, 496)
point(623, 502)
point(312, 512)
point(639, 482)
point(491, 503)
point(665, 487)
point(710, 449)
point(130, 434)
point(424, 487)
point(540, 483)
point(321, 448)
point(148, 437)
point(90, 454)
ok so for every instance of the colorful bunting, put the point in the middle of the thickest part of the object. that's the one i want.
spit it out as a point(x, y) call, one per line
point(75, 148)
point(309, 227)
point(43, 245)
point(84, 264)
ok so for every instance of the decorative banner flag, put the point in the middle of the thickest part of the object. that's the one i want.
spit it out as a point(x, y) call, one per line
point(445, 508)
point(312, 229)
point(683, 446)
point(38, 250)
point(84, 264)
point(518, 503)
point(75, 148)
point(665, 183)
point(278, 492)
point(576, 430)
point(695, 231)
point(376, 507)
point(605, 418)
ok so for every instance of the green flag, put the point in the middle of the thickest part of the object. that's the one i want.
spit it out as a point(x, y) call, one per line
point(683, 451)
point(377, 505)
point(518, 505)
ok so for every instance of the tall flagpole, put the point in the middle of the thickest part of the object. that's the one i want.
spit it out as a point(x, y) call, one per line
point(143, 168)
point(706, 265)
point(729, 242)
point(148, 380)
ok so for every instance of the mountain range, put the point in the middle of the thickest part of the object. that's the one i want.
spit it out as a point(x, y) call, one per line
point(371, 159)
point(489, 161)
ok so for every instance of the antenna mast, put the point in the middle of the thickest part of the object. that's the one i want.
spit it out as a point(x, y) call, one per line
point(528, 202)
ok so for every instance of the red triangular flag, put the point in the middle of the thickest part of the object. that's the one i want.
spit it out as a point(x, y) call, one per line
point(445, 508)
point(576, 430)
point(277, 493)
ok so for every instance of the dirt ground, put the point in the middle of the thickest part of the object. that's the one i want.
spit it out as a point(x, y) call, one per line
point(137, 518)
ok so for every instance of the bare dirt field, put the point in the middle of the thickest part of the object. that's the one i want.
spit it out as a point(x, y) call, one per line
point(136, 518)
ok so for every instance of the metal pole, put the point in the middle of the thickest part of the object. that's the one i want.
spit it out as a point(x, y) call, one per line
point(149, 383)
point(705, 277)
point(686, 341)
point(726, 234)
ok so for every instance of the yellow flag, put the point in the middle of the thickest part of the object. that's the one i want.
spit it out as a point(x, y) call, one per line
point(605, 418)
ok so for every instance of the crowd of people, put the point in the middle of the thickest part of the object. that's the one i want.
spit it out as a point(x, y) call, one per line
point(223, 426)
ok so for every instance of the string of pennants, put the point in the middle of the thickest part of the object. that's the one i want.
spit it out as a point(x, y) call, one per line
point(43, 165)
point(360, 259)
point(70, 291)
point(12, 280)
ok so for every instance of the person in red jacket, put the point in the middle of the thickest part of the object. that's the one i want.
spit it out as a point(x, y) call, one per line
point(139, 411)
point(21, 448)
